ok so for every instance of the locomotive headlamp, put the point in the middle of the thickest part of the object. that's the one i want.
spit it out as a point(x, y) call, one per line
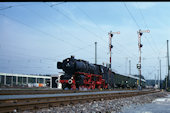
point(56, 81)
point(70, 81)
point(67, 59)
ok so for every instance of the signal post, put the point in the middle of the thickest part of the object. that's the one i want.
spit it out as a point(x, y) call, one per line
point(140, 32)
point(110, 50)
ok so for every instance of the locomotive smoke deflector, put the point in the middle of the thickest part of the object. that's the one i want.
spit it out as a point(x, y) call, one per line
point(59, 65)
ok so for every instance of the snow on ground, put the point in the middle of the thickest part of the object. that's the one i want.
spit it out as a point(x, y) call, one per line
point(159, 105)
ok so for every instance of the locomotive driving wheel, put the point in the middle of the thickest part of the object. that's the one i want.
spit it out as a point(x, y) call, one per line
point(99, 87)
point(63, 86)
point(93, 86)
point(73, 86)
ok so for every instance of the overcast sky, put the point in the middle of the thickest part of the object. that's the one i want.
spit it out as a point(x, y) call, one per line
point(34, 36)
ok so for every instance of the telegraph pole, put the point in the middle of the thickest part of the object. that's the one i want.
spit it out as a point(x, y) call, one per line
point(126, 62)
point(140, 46)
point(160, 73)
point(95, 52)
point(158, 78)
point(155, 79)
point(168, 77)
point(129, 67)
point(110, 49)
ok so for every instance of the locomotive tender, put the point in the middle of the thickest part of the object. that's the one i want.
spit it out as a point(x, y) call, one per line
point(82, 74)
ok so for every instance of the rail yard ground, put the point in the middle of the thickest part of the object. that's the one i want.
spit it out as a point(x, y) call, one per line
point(159, 105)
point(106, 106)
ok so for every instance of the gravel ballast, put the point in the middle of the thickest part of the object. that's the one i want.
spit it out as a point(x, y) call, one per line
point(104, 106)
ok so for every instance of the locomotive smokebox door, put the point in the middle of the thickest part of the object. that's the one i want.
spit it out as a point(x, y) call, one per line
point(54, 82)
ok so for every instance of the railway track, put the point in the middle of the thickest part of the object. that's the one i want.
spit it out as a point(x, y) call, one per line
point(45, 91)
point(22, 104)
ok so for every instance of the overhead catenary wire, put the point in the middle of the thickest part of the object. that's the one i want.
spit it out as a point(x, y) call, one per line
point(36, 13)
point(126, 50)
point(40, 31)
point(71, 19)
point(11, 6)
point(96, 24)
point(131, 15)
point(138, 24)
point(136, 21)
point(121, 50)
point(155, 49)
point(29, 63)
point(48, 58)
point(161, 48)
point(52, 58)
point(60, 28)
point(32, 28)
point(82, 48)
point(58, 3)
point(146, 25)
point(90, 18)
point(53, 23)
point(149, 43)
point(27, 26)
point(26, 60)
point(77, 23)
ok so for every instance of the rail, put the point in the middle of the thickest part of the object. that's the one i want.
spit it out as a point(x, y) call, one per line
point(22, 104)
point(52, 91)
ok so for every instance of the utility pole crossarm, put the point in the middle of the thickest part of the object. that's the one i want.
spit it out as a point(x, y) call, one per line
point(114, 32)
point(144, 31)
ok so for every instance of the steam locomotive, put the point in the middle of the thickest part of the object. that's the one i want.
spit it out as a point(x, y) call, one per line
point(82, 74)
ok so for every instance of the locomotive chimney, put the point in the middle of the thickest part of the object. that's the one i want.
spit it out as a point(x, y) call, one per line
point(72, 57)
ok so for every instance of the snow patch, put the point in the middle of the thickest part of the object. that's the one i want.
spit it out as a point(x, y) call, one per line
point(147, 112)
point(159, 100)
point(166, 99)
